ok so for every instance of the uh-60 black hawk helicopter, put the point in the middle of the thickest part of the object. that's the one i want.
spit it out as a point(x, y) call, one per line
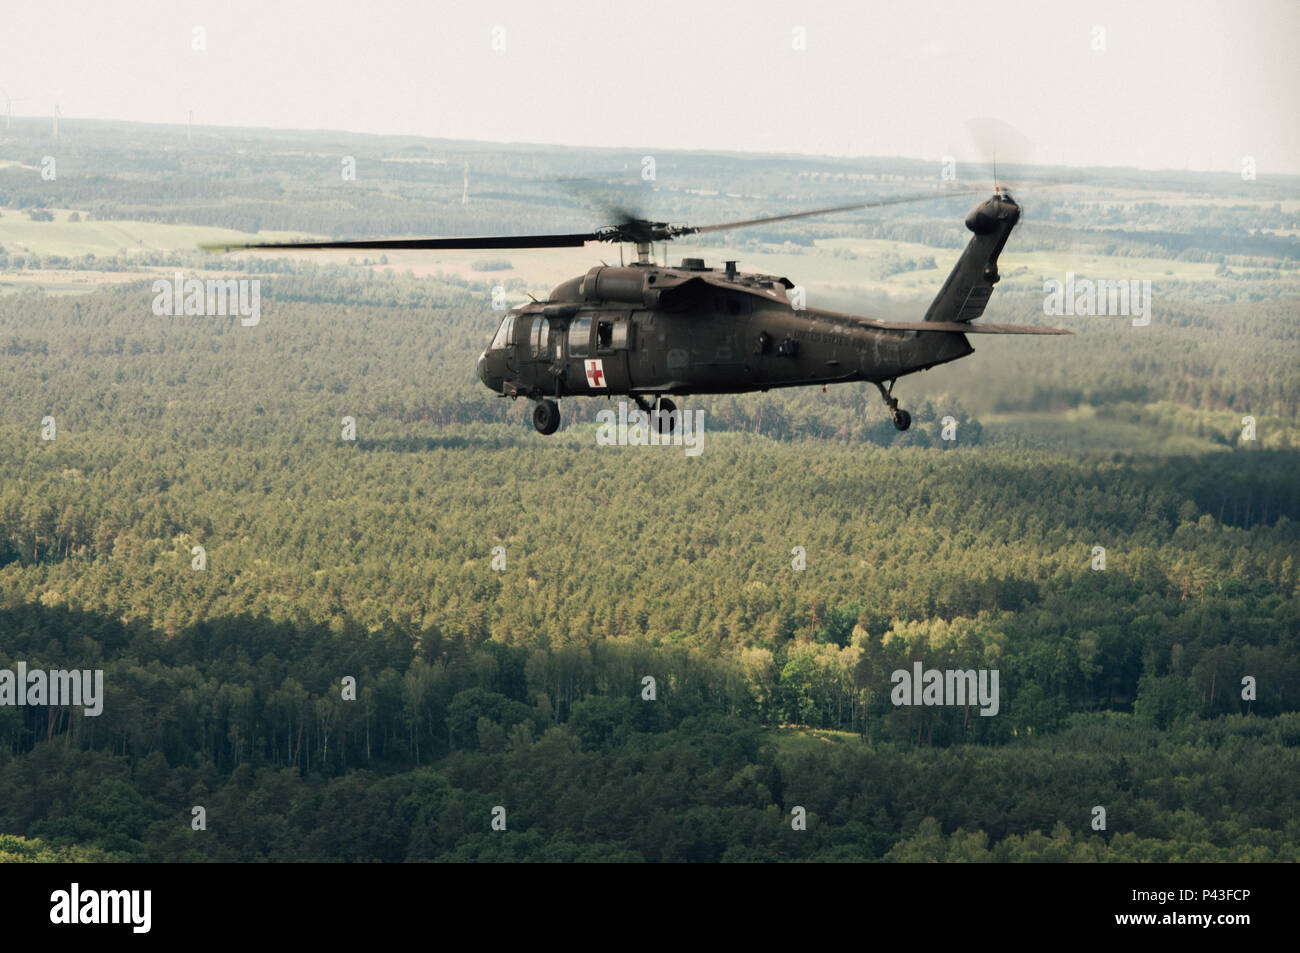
point(646, 331)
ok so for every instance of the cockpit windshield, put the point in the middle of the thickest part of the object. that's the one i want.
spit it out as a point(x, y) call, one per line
point(505, 334)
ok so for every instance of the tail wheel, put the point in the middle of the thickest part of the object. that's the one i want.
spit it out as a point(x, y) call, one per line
point(902, 419)
point(546, 417)
point(665, 416)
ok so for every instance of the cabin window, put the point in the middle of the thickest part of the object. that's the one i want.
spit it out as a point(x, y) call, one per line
point(614, 335)
point(580, 337)
point(540, 338)
point(505, 334)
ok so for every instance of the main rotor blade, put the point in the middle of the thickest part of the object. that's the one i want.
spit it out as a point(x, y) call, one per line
point(628, 230)
point(875, 203)
point(394, 244)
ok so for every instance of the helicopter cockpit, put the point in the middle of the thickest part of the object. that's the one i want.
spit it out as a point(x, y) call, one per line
point(505, 336)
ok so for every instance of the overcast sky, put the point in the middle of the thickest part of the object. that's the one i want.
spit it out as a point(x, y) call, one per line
point(1182, 84)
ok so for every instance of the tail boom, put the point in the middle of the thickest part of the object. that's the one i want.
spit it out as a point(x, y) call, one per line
point(966, 293)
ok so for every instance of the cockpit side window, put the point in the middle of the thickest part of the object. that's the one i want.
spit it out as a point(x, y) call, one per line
point(505, 334)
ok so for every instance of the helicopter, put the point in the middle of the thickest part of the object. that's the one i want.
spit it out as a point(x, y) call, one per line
point(648, 331)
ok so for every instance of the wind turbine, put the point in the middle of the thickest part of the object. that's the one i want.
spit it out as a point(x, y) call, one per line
point(9, 108)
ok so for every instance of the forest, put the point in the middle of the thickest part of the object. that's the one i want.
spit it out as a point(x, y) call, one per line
point(388, 648)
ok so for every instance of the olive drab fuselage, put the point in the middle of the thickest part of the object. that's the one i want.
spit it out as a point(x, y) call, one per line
point(645, 329)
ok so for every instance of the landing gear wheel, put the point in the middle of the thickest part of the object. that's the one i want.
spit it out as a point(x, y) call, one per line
point(902, 419)
point(546, 417)
point(665, 416)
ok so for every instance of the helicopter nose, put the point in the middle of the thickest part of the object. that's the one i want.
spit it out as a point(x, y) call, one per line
point(490, 376)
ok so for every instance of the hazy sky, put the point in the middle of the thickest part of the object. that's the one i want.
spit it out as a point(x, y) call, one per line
point(1178, 85)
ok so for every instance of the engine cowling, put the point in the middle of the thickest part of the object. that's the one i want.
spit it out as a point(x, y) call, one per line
point(628, 285)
